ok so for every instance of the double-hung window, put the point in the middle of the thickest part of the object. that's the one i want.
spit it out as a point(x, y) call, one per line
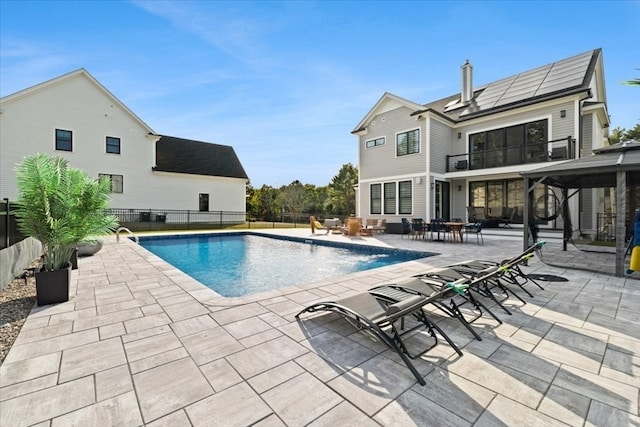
point(64, 140)
point(113, 145)
point(404, 200)
point(117, 181)
point(375, 204)
point(390, 198)
point(408, 142)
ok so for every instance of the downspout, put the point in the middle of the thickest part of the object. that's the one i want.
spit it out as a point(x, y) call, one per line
point(575, 156)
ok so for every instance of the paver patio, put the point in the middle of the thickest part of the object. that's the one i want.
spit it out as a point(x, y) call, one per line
point(141, 343)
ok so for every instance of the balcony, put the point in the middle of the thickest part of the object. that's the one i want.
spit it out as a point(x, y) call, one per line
point(550, 151)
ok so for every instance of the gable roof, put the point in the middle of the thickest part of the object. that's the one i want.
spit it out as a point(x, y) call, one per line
point(386, 99)
point(558, 79)
point(79, 73)
point(197, 158)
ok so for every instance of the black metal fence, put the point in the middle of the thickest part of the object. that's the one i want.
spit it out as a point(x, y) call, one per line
point(167, 219)
point(9, 233)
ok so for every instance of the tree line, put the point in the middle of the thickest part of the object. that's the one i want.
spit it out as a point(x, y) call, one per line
point(293, 202)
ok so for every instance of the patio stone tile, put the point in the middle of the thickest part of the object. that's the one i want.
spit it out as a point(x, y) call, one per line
point(210, 345)
point(175, 419)
point(146, 322)
point(580, 339)
point(338, 350)
point(110, 331)
point(271, 421)
point(175, 299)
point(146, 347)
point(460, 396)
point(48, 403)
point(119, 410)
point(484, 348)
point(413, 409)
point(193, 325)
point(301, 399)
point(319, 367)
point(146, 333)
point(622, 367)
point(157, 388)
point(301, 330)
point(273, 319)
point(255, 360)
point(555, 312)
point(605, 415)
point(166, 291)
point(373, 384)
point(150, 309)
point(50, 310)
point(106, 319)
point(185, 310)
point(220, 374)
point(276, 376)
point(570, 356)
point(616, 327)
point(70, 316)
point(91, 358)
point(119, 306)
point(235, 406)
point(51, 345)
point(24, 370)
point(565, 405)
point(525, 362)
point(113, 382)
point(526, 389)
point(28, 386)
point(234, 314)
point(345, 415)
point(246, 327)
point(256, 339)
point(37, 334)
point(598, 388)
point(504, 411)
point(303, 297)
point(157, 360)
point(35, 322)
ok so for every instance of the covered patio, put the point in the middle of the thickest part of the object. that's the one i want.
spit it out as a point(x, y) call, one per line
point(616, 166)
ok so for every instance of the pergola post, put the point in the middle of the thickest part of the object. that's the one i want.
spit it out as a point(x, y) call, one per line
point(621, 214)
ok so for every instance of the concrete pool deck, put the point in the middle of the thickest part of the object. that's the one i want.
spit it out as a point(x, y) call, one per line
point(141, 343)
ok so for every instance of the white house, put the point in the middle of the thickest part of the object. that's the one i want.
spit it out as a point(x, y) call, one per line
point(75, 117)
point(462, 155)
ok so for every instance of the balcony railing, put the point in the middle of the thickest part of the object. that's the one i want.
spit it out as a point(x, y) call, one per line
point(550, 151)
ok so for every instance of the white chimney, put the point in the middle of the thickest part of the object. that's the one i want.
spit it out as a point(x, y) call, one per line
point(467, 82)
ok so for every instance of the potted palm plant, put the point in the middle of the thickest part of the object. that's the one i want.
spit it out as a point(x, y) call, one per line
point(60, 206)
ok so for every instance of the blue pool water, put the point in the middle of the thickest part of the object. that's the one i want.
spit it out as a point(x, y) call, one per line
point(242, 264)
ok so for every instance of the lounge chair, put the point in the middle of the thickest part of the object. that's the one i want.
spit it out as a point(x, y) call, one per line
point(379, 317)
point(316, 225)
point(449, 297)
point(511, 271)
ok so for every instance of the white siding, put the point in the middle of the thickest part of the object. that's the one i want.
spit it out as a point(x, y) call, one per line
point(440, 145)
point(77, 104)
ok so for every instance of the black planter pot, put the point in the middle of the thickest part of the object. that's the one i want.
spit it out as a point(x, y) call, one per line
point(52, 287)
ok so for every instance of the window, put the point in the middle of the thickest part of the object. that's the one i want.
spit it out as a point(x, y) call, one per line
point(64, 140)
point(405, 202)
point(494, 196)
point(374, 142)
point(390, 198)
point(513, 145)
point(113, 145)
point(408, 142)
point(375, 205)
point(203, 202)
point(117, 182)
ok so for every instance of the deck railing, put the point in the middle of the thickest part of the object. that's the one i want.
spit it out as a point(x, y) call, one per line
point(549, 151)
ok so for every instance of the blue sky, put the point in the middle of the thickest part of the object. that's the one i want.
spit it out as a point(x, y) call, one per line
point(285, 83)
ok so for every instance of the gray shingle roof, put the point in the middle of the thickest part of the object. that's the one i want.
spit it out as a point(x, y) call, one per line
point(197, 158)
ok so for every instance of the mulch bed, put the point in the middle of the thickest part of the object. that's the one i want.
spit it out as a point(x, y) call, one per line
point(16, 302)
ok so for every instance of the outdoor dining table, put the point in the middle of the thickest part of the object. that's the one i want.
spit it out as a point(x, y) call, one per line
point(456, 229)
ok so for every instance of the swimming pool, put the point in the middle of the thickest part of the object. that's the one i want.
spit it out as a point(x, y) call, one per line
point(238, 264)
